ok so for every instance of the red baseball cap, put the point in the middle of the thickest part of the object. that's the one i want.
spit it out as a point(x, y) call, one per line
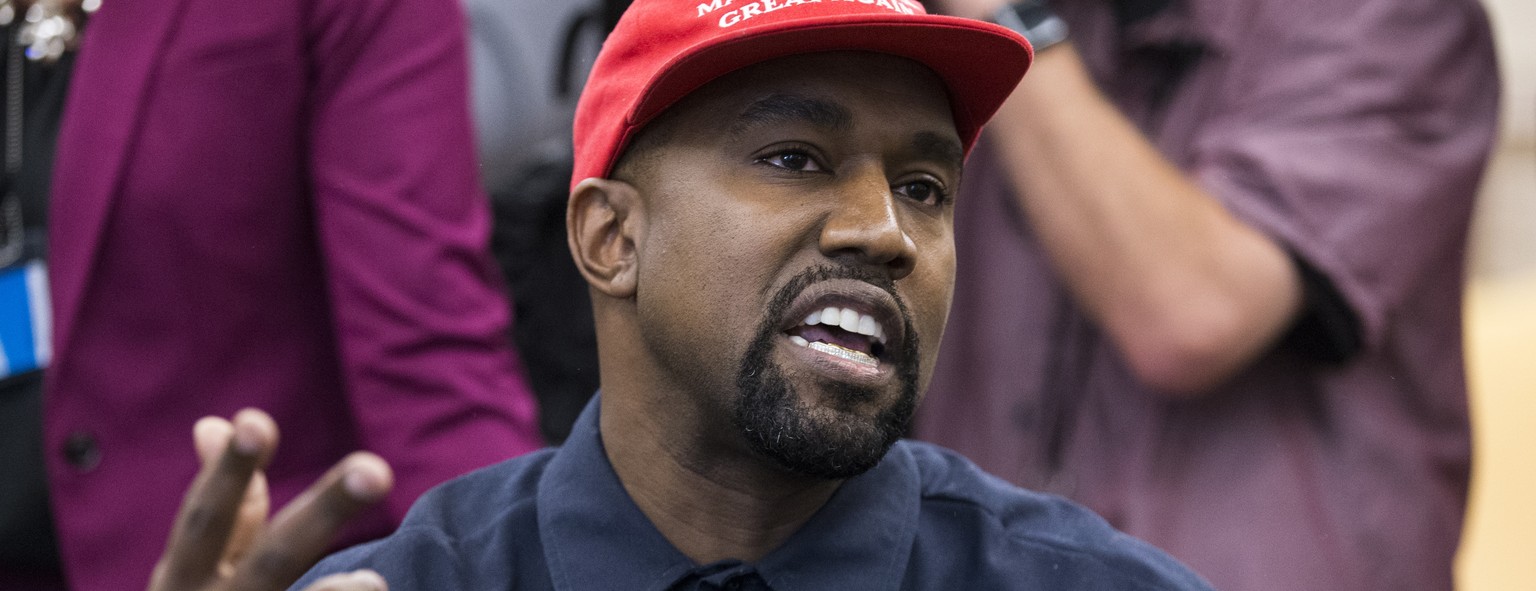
point(662, 50)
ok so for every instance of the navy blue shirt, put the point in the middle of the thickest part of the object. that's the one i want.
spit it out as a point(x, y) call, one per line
point(924, 518)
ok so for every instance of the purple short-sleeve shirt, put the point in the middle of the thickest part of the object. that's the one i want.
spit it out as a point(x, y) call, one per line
point(1354, 133)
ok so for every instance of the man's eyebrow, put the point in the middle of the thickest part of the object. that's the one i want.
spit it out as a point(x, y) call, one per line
point(934, 146)
point(790, 108)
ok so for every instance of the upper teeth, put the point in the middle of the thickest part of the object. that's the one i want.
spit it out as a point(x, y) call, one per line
point(849, 320)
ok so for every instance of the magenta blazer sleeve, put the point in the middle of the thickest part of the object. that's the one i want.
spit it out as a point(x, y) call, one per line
point(404, 230)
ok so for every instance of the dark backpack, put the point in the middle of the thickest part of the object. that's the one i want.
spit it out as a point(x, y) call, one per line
point(531, 59)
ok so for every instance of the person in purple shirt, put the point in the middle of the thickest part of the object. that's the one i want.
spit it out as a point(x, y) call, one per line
point(1209, 280)
point(270, 204)
point(762, 208)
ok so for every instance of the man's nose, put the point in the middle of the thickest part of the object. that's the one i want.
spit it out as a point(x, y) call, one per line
point(864, 225)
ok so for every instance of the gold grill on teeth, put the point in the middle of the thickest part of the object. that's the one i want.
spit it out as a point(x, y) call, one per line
point(858, 357)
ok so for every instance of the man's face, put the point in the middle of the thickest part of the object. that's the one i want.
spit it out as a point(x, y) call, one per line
point(797, 258)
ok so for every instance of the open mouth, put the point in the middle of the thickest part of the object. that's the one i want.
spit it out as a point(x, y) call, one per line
point(844, 333)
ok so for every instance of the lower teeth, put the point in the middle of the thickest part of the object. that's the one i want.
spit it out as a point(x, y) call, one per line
point(858, 357)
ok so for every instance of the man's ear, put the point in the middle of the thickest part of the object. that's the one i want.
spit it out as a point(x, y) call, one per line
point(601, 221)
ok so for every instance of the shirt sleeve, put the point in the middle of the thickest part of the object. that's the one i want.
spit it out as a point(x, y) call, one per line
point(422, 327)
point(1326, 329)
point(1356, 134)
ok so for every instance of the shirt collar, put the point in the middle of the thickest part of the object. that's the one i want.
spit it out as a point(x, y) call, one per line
point(595, 537)
point(861, 539)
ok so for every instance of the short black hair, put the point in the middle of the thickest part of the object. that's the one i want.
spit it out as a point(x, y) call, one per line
point(635, 163)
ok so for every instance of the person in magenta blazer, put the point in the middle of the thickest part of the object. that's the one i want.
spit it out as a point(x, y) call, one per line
point(270, 204)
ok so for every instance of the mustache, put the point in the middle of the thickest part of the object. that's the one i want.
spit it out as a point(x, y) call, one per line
point(782, 299)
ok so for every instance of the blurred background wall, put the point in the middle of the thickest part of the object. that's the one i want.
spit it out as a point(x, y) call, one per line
point(1499, 548)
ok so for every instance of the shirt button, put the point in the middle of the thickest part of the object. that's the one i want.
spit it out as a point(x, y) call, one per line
point(81, 451)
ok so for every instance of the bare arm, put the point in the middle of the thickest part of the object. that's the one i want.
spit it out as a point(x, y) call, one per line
point(1189, 293)
point(1359, 151)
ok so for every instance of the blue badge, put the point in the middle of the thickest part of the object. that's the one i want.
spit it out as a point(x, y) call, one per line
point(26, 324)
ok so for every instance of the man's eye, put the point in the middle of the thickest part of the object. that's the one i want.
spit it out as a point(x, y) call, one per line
point(922, 191)
point(797, 161)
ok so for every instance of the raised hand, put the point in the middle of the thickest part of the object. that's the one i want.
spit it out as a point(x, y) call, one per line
point(222, 539)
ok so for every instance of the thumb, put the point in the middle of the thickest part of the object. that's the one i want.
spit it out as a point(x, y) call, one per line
point(360, 580)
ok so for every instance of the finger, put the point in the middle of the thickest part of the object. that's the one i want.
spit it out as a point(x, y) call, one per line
point(300, 534)
point(210, 436)
point(250, 521)
point(362, 580)
point(207, 514)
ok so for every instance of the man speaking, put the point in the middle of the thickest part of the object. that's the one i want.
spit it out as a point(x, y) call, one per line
point(762, 206)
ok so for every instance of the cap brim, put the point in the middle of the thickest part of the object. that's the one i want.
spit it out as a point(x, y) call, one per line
point(980, 63)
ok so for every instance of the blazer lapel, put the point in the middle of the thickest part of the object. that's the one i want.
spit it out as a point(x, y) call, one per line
point(117, 61)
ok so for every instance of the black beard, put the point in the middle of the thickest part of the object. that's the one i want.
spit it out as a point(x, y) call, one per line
point(820, 443)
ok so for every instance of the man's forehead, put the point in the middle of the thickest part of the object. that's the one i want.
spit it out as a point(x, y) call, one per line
point(823, 91)
point(784, 107)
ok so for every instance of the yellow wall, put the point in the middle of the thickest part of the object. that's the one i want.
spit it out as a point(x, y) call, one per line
point(1499, 546)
